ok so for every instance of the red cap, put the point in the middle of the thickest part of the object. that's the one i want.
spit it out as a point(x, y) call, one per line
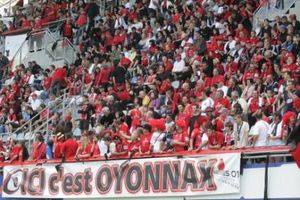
point(296, 104)
point(287, 116)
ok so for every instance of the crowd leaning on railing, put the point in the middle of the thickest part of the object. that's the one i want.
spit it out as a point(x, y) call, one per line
point(155, 77)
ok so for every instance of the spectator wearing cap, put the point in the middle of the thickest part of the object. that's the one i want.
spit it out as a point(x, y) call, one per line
point(38, 148)
point(180, 137)
point(158, 128)
point(58, 144)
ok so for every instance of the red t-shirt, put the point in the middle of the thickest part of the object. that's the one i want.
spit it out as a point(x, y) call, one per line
point(196, 136)
point(87, 150)
point(57, 149)
point(38, 150)
point(69, 148)
point(216, 138)
point(17, 150)
point(59, 74)
point(181, 137)
point(145, 142)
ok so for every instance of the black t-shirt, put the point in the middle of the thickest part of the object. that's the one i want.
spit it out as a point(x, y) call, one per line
point(119, 74)
point(107, 120)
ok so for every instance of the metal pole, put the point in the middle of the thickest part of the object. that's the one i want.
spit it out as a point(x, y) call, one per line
point(47, 125)
point(63, 102)
point(30, 131)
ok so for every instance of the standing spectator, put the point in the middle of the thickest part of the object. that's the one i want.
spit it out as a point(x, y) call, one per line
point(259, 132)
point(69, 147)
point(38, 148)
point(86, 112)
point(85, 148)
point(215, 138)
point(3, 64)
point(58, 80)
point(275, 131)
point(241, 132)
point(58, 144)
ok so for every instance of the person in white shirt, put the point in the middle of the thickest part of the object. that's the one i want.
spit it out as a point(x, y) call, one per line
point(207, 102)
point(241, 132)
point(104, 145)
point(275, 132)
point(35, 102)
point(259, 132)
point(156, 141)
point(179, 65)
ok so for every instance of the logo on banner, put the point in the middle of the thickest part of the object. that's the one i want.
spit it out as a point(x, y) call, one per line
point(196, 175)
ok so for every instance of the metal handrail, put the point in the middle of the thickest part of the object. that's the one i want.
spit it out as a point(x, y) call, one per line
point(30, 121)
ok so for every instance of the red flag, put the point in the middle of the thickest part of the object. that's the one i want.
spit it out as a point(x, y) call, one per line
point(296, 154)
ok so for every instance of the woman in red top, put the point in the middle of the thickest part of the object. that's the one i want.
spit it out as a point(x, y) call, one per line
point(85, 148)
point(95, 151)
point(12, 122)
point(16, 153)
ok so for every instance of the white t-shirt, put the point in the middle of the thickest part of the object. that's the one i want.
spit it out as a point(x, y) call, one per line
point(204, 139)
point(156, 140)
point(178, 66)
point(277, 132)
point(208, 102)
point(242, 133)
point(261, 128)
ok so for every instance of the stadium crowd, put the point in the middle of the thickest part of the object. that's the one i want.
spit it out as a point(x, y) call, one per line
point(158, 76)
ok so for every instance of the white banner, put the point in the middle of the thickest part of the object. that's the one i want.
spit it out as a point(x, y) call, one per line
point(169, 176)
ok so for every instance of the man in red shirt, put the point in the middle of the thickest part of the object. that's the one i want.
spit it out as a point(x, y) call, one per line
point(38, 148)
point(58, 80)
point(145, 139)
point(69, 147)
point(215, 138)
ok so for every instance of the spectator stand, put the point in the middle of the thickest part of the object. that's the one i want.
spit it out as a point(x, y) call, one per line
point(43, 121)
point(269, 9)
